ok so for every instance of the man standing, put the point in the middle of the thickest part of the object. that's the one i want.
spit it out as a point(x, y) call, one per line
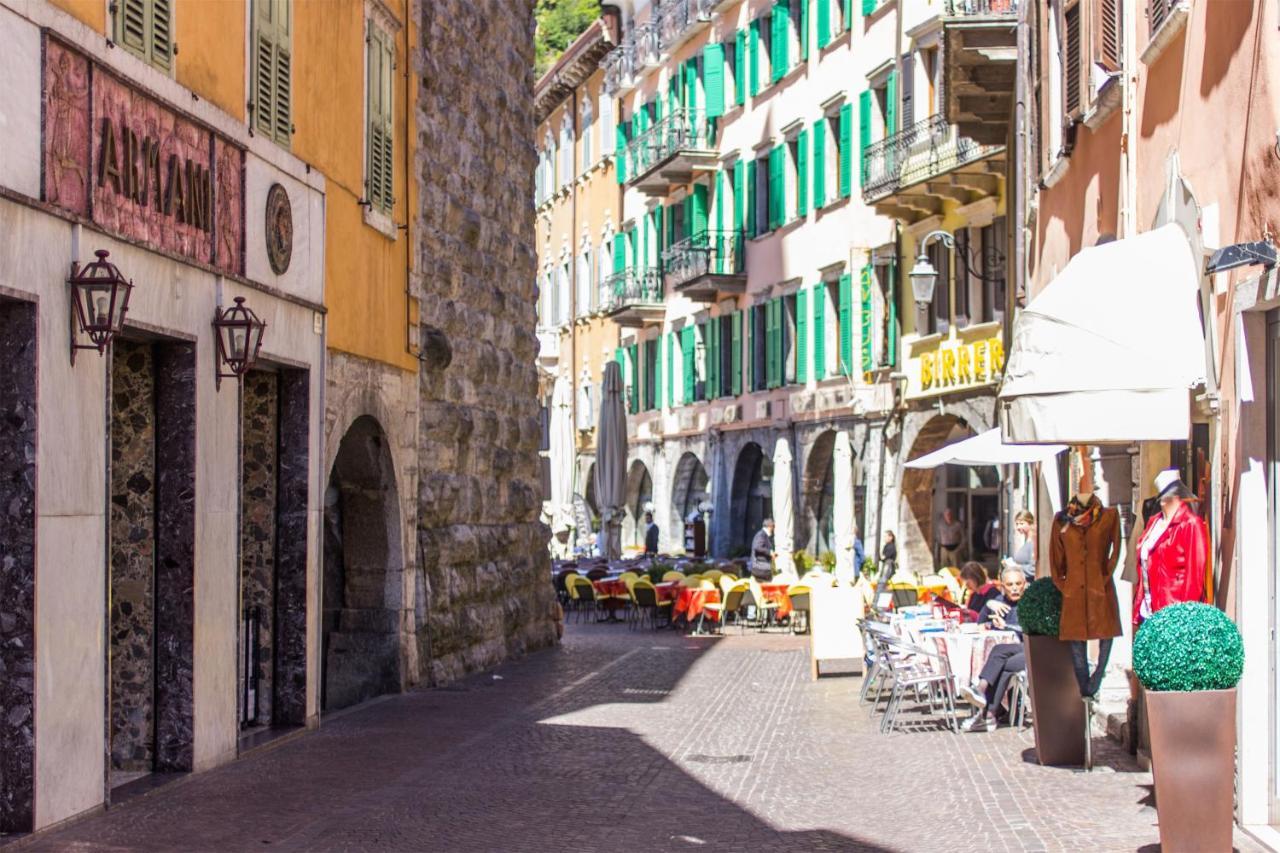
point(762, 553)
point(950, 539)
point(650, 535)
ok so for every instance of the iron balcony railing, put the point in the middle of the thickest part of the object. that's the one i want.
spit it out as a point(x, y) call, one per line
point(619, 68)
point(925, 150)
point(648, 43)
point(982, 8)
point(630, 288)
point(704, 253)
point(679, 18)
point(682, 130)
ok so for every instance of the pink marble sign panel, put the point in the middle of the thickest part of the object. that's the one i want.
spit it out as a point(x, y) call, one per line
point(66, 128)
point(228, 217)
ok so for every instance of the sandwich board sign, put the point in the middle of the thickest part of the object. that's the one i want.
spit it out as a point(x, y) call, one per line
point(833, 626)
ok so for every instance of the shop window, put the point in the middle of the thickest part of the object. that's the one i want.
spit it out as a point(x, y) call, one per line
point(145, 29)
point(271, 105)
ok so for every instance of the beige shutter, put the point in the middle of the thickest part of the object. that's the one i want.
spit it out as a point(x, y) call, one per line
point(272, 71)
point(131, 26)
point(380, 112)
point(1072, 90)
point(160, 53)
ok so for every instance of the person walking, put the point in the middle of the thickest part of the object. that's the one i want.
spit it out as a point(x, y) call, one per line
point(950, 539)
point(650, 535)
point(762, 552)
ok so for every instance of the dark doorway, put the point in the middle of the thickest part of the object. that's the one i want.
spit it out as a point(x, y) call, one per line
point(688, 491)
point(639, 497)
point(751, 500)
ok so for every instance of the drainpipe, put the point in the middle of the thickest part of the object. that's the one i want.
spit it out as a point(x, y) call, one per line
point(573, 308)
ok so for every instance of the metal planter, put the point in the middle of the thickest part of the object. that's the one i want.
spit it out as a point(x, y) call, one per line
point(1056, 706)
point(1193, 742)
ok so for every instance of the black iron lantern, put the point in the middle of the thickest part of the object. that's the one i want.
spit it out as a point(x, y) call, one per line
point(100, 299)
point(239, 333)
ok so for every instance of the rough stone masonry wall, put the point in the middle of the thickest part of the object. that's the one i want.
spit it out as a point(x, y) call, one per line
point(481, 549)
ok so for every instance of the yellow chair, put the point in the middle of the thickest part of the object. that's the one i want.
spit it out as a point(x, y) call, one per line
point(647, 603)
point(727, 582)
point(799, 595)
point(713, 575)
point(583, 593)
point(764, 608)
point(672, 575)
point(693, 580)
point(628, 578)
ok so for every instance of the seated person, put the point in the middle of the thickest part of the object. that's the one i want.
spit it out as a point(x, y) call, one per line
point(981, 589)
point(1006, 659)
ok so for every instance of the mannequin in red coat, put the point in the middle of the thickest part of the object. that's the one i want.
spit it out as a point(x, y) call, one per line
point(1172, 552)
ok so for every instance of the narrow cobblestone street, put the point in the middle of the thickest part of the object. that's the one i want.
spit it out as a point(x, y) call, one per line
point(622, 740)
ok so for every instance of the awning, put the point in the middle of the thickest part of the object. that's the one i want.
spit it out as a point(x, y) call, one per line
point(987, 449)
point(1109, 351)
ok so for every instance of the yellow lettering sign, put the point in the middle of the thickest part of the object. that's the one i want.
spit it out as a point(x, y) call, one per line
point(964, 368)
point(948, 367)
point(961, 365)
point(997, 355)
point(926, 371)
point(980, 361)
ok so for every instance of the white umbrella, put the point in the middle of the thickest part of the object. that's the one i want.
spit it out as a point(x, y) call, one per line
point(986, 449)
point(561, 453)
point(842, 506)
point(783, 506)
point(611, 462)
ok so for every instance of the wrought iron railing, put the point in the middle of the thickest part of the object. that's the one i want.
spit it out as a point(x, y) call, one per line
point(682, 130)
point(704, 253)
point(981, 8)
point(926, 149)
point(630, 287)
point(619, 68)
point(648, 43)
point(679, 17)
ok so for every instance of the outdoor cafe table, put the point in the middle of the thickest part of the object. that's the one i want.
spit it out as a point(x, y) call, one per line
point(777, 593)
point(967, 651)
point(606, 589)
point(691, 601)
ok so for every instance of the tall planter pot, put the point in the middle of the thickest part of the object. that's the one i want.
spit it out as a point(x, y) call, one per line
point(1193, 741)
point(1056, 707)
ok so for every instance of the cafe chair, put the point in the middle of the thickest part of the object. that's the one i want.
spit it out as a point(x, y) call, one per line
point(672, 575)
point(798, 595)
point(765, 609)
point(731, 603)
point(647, 605)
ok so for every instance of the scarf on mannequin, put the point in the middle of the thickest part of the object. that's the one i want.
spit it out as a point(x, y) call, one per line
point(1081, 515)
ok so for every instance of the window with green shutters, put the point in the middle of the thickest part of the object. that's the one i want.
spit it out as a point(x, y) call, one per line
point(272, 48)
point(619, 252)
point(145, 29)
point(846, 325)
point(753, 191)
point(735, 353)
point(891, 104)
point(687, 352)
point(779, 40)
point(379, 118)
point(739, 196)
point(804, 29)
point(740, 67)
point(753, 72)
point(846, 151)
point(777, 197)
point(824, 23)
point(802, 336)
point(820, 331)
point(713, 78)
point(620, 147)
point(671, 369)
point(819, 163)
point(770, 338)
point(802, 174)
point(697, 216)
point(847, 11)
point(655, 378)
point(864, 131)
point(652, 380)
point(711, 334)
point(633, 378)
point(869, 6)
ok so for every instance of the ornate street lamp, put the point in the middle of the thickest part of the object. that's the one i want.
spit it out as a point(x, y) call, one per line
point(924, 278)
point(239, 334)
point(100, 298)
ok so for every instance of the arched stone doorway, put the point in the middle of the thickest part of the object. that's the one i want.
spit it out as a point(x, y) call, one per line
point(750, 498)
point(818, 490)
point(639, 494)
point(688, 489)
point(363, 571)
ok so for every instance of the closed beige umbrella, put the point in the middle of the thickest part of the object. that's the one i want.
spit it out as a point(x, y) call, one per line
point(611, 462)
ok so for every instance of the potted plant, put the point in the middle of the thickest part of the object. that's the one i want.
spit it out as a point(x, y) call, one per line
point(1057, 712)
point(1189, 657)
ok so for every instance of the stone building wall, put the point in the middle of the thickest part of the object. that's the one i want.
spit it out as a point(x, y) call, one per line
point(481, 548)
point(259, 431)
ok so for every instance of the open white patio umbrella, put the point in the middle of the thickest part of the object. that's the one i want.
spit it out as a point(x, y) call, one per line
point(783, 506)
point(611, 462)
point(561, 456)
point(986, 448)
point(842, 506)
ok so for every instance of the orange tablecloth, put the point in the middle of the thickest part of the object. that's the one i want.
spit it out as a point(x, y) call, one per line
point(690, 603)
point(777, 593)
point(610, 587)
point(668, 591)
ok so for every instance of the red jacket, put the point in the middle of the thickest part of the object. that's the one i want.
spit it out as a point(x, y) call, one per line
point(1177, 565)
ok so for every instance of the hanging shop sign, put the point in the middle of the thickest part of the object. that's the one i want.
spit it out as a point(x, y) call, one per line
point(960, 361)
point(137, 168)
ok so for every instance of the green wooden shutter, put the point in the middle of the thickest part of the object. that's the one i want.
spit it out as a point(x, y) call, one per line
point(719, 234)
point(740, 67)
point(749, 371)
point(656, 379)
point(846, 325)
point(802, 175)
point(619, 252)
point(739, 196)
point(846, 151)
point(804, 30)
point(659, 231)
point(691, 85)
point(754, 71)
point(633, 357)
point(145, 29)
point(848, 14)
point(891, 102)
point(713, 78)
point(780, 46)
point(735, 355)
point(869, 6)
point(891, 347)
point(864, 131)
point(819, 162)
point(698, 211)
point(802, 336)
point(620, 152)
point(712, 334)
point(777, 187)
point(820, 331)
point(686, 358)
point(751, 198)
point(771, 344)
point(671, 368)
point(131, 25)
point(646, 226)
point(824, 23)
point(868, 354)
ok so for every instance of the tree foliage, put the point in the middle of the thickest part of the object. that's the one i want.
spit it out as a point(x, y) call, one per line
point(559, 22)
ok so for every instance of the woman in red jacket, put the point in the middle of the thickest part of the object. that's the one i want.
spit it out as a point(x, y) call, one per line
point(1172, 552)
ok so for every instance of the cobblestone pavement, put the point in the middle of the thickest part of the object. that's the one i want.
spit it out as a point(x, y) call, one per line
point(622, 740)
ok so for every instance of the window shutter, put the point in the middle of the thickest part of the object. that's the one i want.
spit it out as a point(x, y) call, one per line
point(891, 300)
point(282, 121)
point(846, 325)
point(740, 67)
point(802, 175)
point(378, 138)
point(633, 378)
point(846, 148)
point(908, 116)
point(824, 23)
point(819, 163)
point(620, 147)
point(776, 196)
point(751, 198)
point(820, 331)
point(713, 79)
point(161, 51)
point(698, 212)
point(848, 14)
point(735, 353)
point(691, 86)
point(868, 6)
point(660, 244)
point(802, 336)
point(686, 358)
point(712, 334)
point(868, 319)
point(656, 379)
point(768, 345)
point(671, 368)
point(1071, 60)
point(754, 72)
point(864, 132)
point(780, 46)
point(131, 26)
point(1106, 41)
point(739, 196)
point(619, 252)
point(804, 30)
point(891, 104)
point(749, 370)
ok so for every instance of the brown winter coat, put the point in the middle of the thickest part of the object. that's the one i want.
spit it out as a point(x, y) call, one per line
point(1081, 562)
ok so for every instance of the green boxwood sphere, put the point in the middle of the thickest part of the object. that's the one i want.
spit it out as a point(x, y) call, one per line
point(1040, 608)
point(1188, 646)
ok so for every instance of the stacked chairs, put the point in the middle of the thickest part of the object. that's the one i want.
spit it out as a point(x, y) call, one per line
point(906, 669)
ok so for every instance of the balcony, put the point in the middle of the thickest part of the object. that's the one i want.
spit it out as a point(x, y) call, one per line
point(632, 297)
point(648, 43)
point(980, 54)
point(910, 174)
point(707, 265)
point(670, 152)
point(620, 69)
point(681, 19)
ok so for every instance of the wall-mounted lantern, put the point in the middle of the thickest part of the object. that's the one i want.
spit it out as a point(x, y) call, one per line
point(100, 299)
point(239, 334)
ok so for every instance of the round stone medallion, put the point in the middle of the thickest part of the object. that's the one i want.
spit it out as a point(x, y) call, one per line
point(279, 227)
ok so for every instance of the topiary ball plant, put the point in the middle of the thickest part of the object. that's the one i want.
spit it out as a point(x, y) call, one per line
point(1186, 647)
point(1040, 608)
